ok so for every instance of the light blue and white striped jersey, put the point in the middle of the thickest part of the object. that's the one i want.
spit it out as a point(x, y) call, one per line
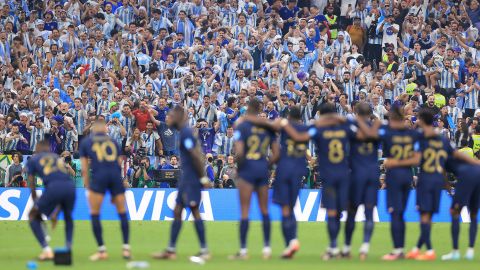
point(80, 119)
point(125, 14)
point(93, 64)
point(36, 135)
point(71, 137)
point(237, 29)
point(471, 99)
point(102, 106)
point(226, 147)
point(349, 89)
point(12, 144)
point(128, 123)
point(114, 133)
point(399, 88)
point(446, 79)
point(419, 56)
point(187, 28)
point(150, 140)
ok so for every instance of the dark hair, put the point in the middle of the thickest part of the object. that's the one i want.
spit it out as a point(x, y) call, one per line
point(20, 156)
point(363, 109)
point(254, 106)
point(295, 113)
point(427, 116)
point(178, 110)
point(396, 113)
point(326, 108)
point(230, 101)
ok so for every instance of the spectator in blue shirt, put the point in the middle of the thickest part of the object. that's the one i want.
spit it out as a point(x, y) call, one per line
point(289, 14)
point(232, 110)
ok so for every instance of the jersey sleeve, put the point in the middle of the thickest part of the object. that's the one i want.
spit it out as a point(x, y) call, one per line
point(82, 150)
point(383, 132)
point(188, 141)
point(351, 129)
point(31, 167)
point(313, 132)
point(239, 133)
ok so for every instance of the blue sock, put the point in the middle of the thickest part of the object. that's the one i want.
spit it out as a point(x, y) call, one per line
point(395, 229)
point(285, 229)
point(38, 232)
point(174, 231)
point(266, 230)
point(333, 224)
point(124, 226)
point(401, 236)
point(472, 234)
point(293, 221)
point(455, 230)
point(243, 233)
point(420, 241)
point(369, 224)
point(68, 231)
point(349, 227)
point(289, 227)
point(425, 229)
point(97, 229)
point(200, 228)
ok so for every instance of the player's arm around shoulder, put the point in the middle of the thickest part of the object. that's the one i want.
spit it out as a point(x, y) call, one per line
point(294, 134)
point(464, 157)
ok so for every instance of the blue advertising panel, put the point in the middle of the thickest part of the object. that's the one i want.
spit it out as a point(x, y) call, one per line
point(217, 204)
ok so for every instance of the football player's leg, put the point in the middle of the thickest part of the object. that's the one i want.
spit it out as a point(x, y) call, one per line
point(67, 213)
point(262, 193)
point(355, 193)
point(472, 233)
point(119, 201)
point(176, 226)
point(245, 189)
point(199, 227)
point(349, 227)
point(95, 200)
point(35, 219)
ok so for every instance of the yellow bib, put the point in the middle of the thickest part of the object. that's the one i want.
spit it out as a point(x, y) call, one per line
point(476, 142)
point(467, 150)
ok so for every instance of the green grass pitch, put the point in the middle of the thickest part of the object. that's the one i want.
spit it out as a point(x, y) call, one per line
point(17, 246)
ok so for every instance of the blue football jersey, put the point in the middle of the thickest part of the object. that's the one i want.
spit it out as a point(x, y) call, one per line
point(188, 142)
point(291, 151)
point(257, 141)
point(48, 166)
point(102, 151)
point(399, 144)
point(434, 154)
point(333, 147)
point(364, 154)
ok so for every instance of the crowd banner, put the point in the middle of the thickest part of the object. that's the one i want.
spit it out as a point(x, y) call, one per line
point(216, 205)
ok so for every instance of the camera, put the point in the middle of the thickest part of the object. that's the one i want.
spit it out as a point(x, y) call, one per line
point(68, 159)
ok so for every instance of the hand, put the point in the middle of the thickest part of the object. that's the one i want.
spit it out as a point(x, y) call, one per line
point(205, 181)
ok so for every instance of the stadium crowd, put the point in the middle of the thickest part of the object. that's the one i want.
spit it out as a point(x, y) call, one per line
point(65, 63)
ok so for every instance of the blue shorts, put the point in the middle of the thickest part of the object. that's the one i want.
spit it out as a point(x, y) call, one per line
point(467, 193)
point(287, 185)
point(112, 182)
point(363, 188)
point(189, 195)
point(335, 192)
point(57, 194)
point(428, 195)
point(254, 173)
point(399, 183)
